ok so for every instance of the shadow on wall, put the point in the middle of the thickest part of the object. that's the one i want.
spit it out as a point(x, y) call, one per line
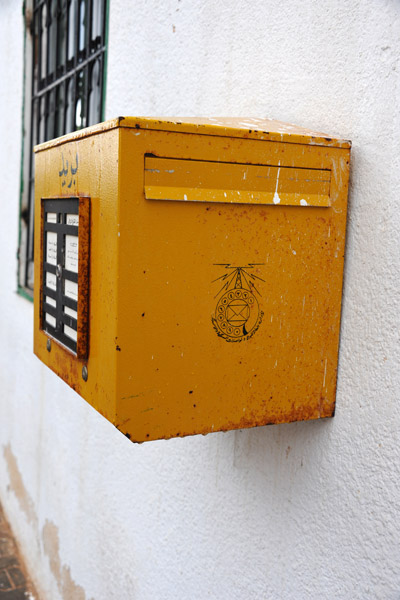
point(283, 455)
point(278, 467)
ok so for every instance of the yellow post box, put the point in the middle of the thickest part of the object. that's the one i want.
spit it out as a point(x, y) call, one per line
point(188, 273)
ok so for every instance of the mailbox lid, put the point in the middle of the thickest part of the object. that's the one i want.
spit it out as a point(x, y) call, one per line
point(245, 127)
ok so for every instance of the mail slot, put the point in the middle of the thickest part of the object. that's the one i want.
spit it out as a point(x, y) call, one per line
point(188, 273)
point(206, 181)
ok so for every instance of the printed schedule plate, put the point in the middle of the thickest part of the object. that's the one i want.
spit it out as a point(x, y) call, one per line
point(65, 272)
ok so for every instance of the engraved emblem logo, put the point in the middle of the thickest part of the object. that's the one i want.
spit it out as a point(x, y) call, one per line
point(237, 314)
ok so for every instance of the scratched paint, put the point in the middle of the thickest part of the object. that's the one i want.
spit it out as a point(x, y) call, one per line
point(276, 198)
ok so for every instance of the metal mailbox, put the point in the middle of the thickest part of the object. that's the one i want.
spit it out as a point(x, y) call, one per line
point(188, 273)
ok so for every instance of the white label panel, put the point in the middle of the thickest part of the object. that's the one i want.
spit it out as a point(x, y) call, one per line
point(51, 248)
point(51, 301)
point(51, 281)
point(70, 312)
point(71, 253)
point(73, 220)
point(51, 320)
point(52, 217)
point(71, 333)
point(71, 289)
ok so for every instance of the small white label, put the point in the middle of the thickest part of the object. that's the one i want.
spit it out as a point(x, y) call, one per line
point(71, 312)
point(51, 301)
point(71, 333)
point(51, 248)
point(73, 220)
point(51, 281)
point(51, 320)
point(52, 217)
point(71, 289)
point(71, 253)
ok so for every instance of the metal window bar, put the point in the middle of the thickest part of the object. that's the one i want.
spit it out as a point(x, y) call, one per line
point(68, 42)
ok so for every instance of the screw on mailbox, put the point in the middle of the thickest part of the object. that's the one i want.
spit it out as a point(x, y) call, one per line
point(84, 373)
point(48, 345)
point(59, 271)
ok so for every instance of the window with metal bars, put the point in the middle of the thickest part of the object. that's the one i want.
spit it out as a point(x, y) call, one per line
point(65, 53)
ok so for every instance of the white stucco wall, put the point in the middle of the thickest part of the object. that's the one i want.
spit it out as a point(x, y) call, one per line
point(304, 511)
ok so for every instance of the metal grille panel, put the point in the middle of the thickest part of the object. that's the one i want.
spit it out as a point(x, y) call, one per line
point(68, 60)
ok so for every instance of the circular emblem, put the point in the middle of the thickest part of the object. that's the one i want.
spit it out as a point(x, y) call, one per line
point(237, 313)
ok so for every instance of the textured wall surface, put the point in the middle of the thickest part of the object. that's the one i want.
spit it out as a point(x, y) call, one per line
point(304, 511)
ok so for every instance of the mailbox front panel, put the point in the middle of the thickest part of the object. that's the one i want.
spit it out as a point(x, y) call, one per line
point(232, 289)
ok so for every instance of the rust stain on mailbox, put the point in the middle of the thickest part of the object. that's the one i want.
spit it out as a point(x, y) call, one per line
point(195, 285)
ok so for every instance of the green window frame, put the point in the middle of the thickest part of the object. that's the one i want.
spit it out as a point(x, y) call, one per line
point(65, 56)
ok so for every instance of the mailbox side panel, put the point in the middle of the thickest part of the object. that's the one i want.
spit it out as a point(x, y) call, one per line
point(178, 373)
point(85, 167)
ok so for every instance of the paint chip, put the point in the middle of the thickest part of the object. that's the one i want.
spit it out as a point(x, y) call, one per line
point(276, 198)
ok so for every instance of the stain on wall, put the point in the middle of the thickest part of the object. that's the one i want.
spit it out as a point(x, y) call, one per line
point(50, 547)
point(18, 487)
point(69, 590)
